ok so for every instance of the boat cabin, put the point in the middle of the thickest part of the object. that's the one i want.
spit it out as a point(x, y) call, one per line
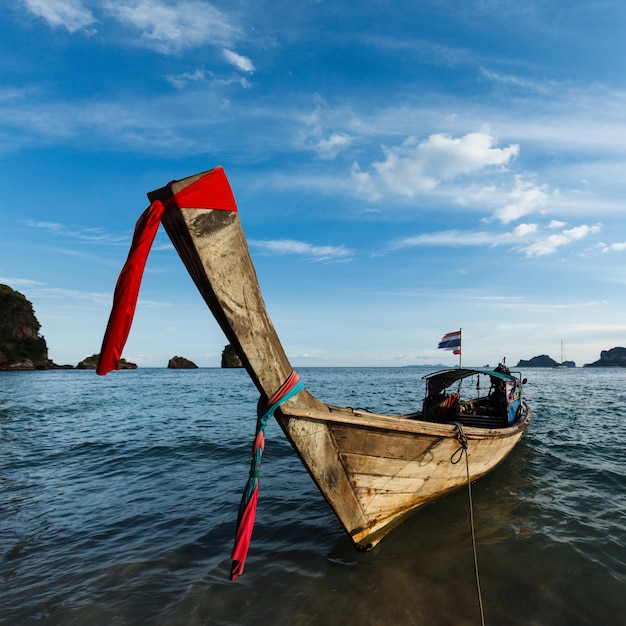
point(474, 397)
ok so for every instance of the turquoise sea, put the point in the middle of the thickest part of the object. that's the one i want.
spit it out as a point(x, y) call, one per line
point(119, 497)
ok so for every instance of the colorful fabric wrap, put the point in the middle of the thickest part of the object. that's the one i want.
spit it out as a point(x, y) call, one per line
point(247, 507)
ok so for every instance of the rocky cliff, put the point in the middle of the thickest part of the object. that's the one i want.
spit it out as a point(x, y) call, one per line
point(230, 358)
point(615, 357)
point(181, 363)
point(91, 362)
point(21, 345)
point(544, 361)
point(538, 361)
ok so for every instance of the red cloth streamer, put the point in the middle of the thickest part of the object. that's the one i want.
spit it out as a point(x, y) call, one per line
point(247, 507)
point(212, 191)
point(127, 289)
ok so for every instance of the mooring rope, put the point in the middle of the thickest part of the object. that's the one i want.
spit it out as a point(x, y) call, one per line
point(455, 458)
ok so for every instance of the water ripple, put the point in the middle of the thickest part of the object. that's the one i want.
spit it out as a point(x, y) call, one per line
point(118, 501)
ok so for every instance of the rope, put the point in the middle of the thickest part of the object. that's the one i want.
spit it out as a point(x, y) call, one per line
point(455, 458)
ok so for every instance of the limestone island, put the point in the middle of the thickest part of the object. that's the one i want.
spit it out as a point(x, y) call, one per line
point(230, 358)
point(91, 362)
point(615, 357)
point(544, 360)
point(181, 363)
point(21, 345)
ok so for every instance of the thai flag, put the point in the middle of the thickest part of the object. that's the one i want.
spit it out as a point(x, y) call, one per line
point(451, 341)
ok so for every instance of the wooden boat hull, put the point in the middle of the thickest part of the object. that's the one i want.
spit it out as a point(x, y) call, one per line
point(373, 470)
point(396, 465)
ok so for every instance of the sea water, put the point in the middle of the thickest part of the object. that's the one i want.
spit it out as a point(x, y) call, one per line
point(119, 498)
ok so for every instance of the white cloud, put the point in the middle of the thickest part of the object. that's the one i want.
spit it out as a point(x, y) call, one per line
point(613, 247)
point(525, 198)
point(172, 27)
point(540, 245)
point(336, 142)
point(18, 282)
point(53, 293)
point(524, 230)
point(180, 80)
point(167, 27)
point(364, 185)
point(68, 14)
point(550, 244)
point(204, 76)
point(240, 62)
point(419, 167)
point(556, 224)
point(518, 81)
point(289, 246)
point(326, 143)
point(618, 246)
point(84, 234)
point(448, 238)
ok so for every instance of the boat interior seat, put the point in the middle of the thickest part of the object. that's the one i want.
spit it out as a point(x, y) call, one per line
point(481, 412)
point(481, 421)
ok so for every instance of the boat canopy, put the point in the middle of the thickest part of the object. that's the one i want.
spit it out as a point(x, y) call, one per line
point(438, 381)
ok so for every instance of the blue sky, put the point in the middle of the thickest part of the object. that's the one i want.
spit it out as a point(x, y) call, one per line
point(402, 170)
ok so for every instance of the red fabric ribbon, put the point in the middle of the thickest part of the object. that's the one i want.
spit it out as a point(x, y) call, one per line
point(212, 191)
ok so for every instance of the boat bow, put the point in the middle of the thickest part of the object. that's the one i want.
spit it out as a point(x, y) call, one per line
point(373, 470)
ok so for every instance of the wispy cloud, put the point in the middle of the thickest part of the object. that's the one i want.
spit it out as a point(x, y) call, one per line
point(171, 27)
point(518, 81)
point(69, 14)
point(526, 197)
point(18, 282)
point(529, 239)
point(318, 137)
point(289, 246)
point(75, 295)
point(85, 234)
point(200, 75)
point(426, 50)
point(180, 80)
point(550, 244)
point(167, 27)
point(447, 238)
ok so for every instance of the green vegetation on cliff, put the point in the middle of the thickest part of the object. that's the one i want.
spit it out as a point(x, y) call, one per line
point(21, 346)
point(230, 358)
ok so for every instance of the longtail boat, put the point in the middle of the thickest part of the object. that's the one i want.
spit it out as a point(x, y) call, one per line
point(373, 470)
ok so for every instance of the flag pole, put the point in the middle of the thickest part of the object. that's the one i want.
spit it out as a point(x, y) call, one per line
point(460, 348)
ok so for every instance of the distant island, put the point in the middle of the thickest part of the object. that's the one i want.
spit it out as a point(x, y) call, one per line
point(230, 358)
point(544, 361)
point(615, 357)
point(23, 348)
point(181, 363)
point(21, 345)
point(91, 362)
